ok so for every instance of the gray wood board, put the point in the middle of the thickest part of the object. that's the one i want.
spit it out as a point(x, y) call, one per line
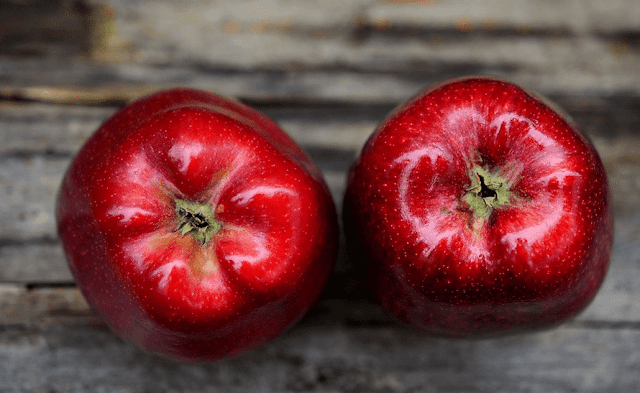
point(325, 355)
point(559, 46)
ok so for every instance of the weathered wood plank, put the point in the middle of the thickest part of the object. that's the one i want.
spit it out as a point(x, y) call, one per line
point(523, 16)
point(44, 306)
point(362, 50)
point(327, 356)
point(83, 81)
point(35, 261)
point(58, 28)
point(132, 30)
point(368, 34)
point(28, 188)
point(31, 128)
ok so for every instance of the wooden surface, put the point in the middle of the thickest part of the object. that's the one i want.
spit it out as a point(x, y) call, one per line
point(328, 71)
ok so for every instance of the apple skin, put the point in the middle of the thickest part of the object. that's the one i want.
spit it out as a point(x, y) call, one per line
point(441, 251)
point(203, 285)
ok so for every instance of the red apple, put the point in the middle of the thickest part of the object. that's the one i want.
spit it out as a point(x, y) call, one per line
point(479, 210)
point(195, 226)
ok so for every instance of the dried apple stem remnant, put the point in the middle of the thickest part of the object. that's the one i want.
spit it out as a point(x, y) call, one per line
point(488, 191)
point(196, 220)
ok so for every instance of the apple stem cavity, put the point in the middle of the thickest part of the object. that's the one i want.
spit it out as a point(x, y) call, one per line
point(197, 220)
point(488, 191)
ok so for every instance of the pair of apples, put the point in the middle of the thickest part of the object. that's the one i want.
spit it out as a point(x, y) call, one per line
point(197, 229)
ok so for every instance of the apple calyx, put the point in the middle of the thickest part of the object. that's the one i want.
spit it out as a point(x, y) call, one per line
point(197, 220)
point(488, 191)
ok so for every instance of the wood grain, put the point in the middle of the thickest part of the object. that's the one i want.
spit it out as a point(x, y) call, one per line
point(329, 357)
